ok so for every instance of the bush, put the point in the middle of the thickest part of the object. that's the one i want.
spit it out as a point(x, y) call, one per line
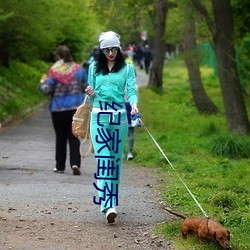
point(223, 200)
point(19, 88)
point(231, 146)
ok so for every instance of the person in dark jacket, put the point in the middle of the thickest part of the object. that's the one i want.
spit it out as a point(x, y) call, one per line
point(147, 54)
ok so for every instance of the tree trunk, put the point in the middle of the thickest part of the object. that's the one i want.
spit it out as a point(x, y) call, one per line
point(201, 99)
point(159, 47)
point(223, 38)
point(235, 109)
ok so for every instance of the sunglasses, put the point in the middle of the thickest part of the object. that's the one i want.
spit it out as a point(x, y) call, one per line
point(106, 51)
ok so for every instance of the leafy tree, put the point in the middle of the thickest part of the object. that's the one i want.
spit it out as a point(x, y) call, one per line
point(221, 28)
point(241, 18)
point(21, 34)
point(156, 72)
point(201, 99)
point(78, 29)
point(175, 24)
point(28, 33)
point(126, 17)
point(242, 33)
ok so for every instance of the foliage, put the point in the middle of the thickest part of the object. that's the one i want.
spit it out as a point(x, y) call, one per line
point(219, 183)
point(27, 33)
point(242, 37)
point(19, 88)
point(230, 146)
point(243, 60)
point(127, 17)
point(241, 17)
point(175, 25)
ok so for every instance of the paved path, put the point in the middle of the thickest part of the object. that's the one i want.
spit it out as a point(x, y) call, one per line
point(141, 78)
point(30, 190)
point(26, 163)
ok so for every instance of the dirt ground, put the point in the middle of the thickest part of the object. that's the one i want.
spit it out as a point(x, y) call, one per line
point(40, 209)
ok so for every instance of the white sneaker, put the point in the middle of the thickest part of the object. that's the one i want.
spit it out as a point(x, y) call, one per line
point(58, 171)
point(111, 215)
point(129, 156)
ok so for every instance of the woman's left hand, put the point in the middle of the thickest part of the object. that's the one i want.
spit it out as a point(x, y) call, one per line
point(43, 79)
point(134, 109)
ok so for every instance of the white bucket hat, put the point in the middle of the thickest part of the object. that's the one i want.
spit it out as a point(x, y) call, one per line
point(109, 39)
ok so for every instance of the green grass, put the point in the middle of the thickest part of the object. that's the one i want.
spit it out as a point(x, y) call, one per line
point(214, 164)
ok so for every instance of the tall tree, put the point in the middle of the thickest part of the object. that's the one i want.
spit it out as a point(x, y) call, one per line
point(223, 38)
point(201, 99)
point(159, 44)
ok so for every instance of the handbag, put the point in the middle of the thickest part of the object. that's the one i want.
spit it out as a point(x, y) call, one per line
point(81, 126)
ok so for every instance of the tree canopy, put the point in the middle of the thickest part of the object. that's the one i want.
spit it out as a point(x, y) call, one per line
point(28, 33)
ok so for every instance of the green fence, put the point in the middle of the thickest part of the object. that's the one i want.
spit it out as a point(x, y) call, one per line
point(208, 58)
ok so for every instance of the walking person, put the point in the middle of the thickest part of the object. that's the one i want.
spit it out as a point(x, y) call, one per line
point(131, 129)
point(65, 84)
point(108, 78)
point(147, 54)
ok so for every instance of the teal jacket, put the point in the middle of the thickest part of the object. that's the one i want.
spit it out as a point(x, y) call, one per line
point(111, 87)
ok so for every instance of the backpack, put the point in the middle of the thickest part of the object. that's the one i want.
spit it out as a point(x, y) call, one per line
point(81, 125)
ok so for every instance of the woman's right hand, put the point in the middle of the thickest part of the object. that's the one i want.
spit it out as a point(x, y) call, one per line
point(90, 91)
point(134, 109)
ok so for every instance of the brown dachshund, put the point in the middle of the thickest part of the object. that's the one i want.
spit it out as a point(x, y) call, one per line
point(204, 229)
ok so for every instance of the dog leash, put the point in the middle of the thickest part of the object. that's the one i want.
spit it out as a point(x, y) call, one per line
point(174, 169)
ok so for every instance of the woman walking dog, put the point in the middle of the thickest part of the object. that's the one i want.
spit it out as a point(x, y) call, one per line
point(108, 78)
